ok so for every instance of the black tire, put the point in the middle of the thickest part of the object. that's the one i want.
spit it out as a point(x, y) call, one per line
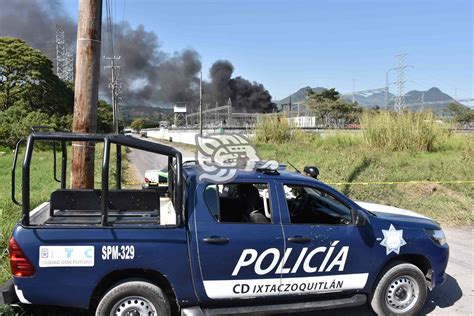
point(137, 295)
point(401, 290)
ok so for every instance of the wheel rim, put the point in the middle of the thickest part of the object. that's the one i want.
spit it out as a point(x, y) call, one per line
point(402, 294)
point(133, 306)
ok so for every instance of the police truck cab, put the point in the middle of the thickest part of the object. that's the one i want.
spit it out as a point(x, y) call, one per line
point(267, 241)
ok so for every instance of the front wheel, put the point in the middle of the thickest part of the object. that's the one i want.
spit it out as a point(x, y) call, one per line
point(400, 291)
point(138, 298)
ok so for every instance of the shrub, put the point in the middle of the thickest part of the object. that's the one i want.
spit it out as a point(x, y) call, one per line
point(273, 129)
point(413, 131)
point(16, 122)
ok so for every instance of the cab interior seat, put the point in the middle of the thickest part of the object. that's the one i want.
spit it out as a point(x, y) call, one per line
point(252, 204)
point(230, 210)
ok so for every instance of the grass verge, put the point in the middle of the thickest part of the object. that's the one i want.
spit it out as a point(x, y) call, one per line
point(346, 158)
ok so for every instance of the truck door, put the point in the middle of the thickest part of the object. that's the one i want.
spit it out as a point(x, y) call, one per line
point(236, 241)
point(325, 251)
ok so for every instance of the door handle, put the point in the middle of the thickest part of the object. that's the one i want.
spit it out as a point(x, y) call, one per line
point(216, 240)
point(299, 239)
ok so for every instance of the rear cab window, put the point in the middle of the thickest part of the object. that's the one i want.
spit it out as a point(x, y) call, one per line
point(239, 202)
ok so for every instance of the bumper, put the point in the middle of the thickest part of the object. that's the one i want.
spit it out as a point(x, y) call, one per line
point(7, 293)
point(439, 264)
point(442, 279)
point(153, 185)
point(433, 281)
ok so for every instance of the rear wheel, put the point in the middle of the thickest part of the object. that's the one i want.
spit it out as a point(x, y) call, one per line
point(134, 298)
point(400, 291)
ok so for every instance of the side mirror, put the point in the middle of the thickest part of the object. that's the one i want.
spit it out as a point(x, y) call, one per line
point(360, 218)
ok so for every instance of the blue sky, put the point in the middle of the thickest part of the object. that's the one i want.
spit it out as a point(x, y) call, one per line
point(290, 44)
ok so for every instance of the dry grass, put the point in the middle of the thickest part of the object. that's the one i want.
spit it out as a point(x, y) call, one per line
point(276, 129)
point(414, 131)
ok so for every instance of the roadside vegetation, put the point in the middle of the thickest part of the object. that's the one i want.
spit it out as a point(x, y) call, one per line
point(388, 172)
point(393, 148)
point(412, 131)
point(330, 110)
point(32, 95)
point(151, 121)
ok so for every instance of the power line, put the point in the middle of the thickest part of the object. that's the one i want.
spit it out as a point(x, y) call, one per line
point(121, 31)
point(115, 87)
point(110, 26)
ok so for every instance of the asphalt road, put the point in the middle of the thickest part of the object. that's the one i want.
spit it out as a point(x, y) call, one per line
point(454, 297)
point(143, 160)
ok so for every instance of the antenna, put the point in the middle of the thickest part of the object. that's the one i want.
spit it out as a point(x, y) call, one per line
point(293, 167)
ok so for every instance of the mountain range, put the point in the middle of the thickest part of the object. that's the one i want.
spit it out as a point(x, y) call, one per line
point(432, 98)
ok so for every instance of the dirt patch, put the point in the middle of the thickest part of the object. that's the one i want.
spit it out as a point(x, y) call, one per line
point(419, 190)
point(451, 193)
point(429, 189)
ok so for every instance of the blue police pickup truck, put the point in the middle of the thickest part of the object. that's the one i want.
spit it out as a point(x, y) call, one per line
point(269, 241)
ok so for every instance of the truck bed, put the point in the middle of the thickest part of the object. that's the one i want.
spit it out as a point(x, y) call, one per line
point(46, 215)
point(82, 217)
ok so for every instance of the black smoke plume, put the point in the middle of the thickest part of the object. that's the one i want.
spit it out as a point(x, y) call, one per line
point(245, 95)
point(35, 22)
point(220, 73)
point(148, 75)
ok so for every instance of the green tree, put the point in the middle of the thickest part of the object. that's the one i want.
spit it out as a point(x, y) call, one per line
point(105, 117)
point(326, 94)
point(17, 120)
point(26, 76)
point(331, 110)
point(138, 124)
point(461, 114)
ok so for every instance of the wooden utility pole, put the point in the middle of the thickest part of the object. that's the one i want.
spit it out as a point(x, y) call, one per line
point(86, 90)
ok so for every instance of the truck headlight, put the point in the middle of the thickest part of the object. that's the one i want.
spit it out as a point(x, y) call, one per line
point(437, 235)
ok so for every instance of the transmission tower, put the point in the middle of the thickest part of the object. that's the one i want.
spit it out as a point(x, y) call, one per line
point(400, 69)
point(64, 56)
point(69, 62)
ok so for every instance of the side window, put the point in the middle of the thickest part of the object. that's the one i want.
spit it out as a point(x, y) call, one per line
point(239, 202)
point(308, 205)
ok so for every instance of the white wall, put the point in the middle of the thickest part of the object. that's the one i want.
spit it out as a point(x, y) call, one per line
point(189, 136)
point(302, 121)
